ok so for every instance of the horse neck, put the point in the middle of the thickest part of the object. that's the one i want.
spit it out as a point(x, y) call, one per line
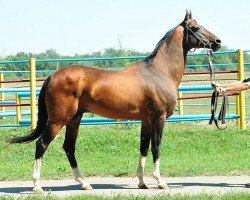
point(170, 58)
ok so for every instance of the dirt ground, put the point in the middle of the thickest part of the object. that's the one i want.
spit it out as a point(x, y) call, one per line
point(128, 186)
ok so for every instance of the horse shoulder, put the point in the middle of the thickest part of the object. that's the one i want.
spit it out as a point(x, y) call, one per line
point(161, 95)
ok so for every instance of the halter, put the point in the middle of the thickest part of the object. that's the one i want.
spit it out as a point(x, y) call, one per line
point(215, 95)
point(197, 36)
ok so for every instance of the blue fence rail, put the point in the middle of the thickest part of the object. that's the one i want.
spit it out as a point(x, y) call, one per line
point(25, 92)
point(103, 120)
point(115, 58)
point(107, 58)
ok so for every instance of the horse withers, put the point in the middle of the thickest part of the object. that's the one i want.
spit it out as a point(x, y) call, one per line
point(146, 91)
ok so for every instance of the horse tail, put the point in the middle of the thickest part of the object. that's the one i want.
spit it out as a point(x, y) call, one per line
point(42, 118)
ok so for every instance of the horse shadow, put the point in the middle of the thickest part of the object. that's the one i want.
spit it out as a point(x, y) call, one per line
point(197, 184)
point(28, 190)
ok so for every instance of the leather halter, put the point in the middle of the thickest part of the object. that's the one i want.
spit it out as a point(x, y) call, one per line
point(197, 36)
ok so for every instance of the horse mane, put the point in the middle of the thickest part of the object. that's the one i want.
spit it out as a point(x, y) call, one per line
point(159, 44)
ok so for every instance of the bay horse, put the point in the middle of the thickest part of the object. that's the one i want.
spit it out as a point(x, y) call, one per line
point(146, 91)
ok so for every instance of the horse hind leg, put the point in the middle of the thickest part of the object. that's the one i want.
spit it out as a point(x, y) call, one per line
point(72, 129)
point(144, 146)
point(41, 146)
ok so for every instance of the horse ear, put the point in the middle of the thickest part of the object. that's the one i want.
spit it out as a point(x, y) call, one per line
point(188, 15)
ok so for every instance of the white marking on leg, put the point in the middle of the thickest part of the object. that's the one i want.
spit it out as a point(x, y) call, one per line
point(140, 171)
point(36, 176)
point(79, 179)
point(156, 172)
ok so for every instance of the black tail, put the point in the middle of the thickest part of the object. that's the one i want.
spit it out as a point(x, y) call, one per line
point(42, 118)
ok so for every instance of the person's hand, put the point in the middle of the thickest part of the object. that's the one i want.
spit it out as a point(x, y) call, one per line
point(217, 87)
point(214, 84)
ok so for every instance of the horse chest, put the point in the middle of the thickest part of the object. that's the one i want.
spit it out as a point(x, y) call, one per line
point(164, 101)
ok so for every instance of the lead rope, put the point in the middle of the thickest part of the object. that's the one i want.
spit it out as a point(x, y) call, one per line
point(214, 99)
point(215, 95)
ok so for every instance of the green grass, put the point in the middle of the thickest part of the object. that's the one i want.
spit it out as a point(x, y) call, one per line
point(188, 149)
point(228, 196)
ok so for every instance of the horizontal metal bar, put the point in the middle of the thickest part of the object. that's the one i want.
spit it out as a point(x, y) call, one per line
point(216, 65)
point(173, 118)
point(90, 59)
point(26, 71)
point(204, 104)
point(11, 90)
point(195, 88)
point(214, 53)
point(11, 125)
point(107, 58)
point(13, 113)
point(14, 62)
point(25, 91)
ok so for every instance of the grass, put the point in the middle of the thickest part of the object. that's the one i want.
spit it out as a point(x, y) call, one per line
point(228, 196)
point(188, 149)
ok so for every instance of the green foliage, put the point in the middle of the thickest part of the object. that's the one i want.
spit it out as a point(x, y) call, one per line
point(217, 59)
point(108, 52)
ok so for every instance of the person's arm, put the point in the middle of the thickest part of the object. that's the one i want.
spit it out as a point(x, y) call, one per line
point(232, 87)
point(231, 84)
point(237, 87)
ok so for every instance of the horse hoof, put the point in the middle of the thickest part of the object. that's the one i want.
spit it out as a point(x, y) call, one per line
point(38, 190)
point(87, 187)
point(143, 186)
point(163, 186)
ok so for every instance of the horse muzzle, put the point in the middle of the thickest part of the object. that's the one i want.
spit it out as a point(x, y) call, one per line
point(216, 44)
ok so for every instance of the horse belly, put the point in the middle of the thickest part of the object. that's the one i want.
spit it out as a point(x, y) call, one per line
point(115, 111)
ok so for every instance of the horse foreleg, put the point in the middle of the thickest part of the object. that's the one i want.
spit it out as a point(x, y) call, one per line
point(140, 173)
point(69, 148)
point(41, 146)
point(144, 146)
point(80, 179)
point(156, 172)
point(155, 148)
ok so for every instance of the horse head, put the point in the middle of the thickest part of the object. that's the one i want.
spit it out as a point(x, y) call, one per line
point(196, 36)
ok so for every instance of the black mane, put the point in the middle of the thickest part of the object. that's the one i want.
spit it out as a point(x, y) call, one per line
point(158, 46)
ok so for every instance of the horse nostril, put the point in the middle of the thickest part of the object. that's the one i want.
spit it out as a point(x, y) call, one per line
point(218, 41)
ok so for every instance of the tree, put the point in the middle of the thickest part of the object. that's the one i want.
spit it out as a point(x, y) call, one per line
point(110, 52)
